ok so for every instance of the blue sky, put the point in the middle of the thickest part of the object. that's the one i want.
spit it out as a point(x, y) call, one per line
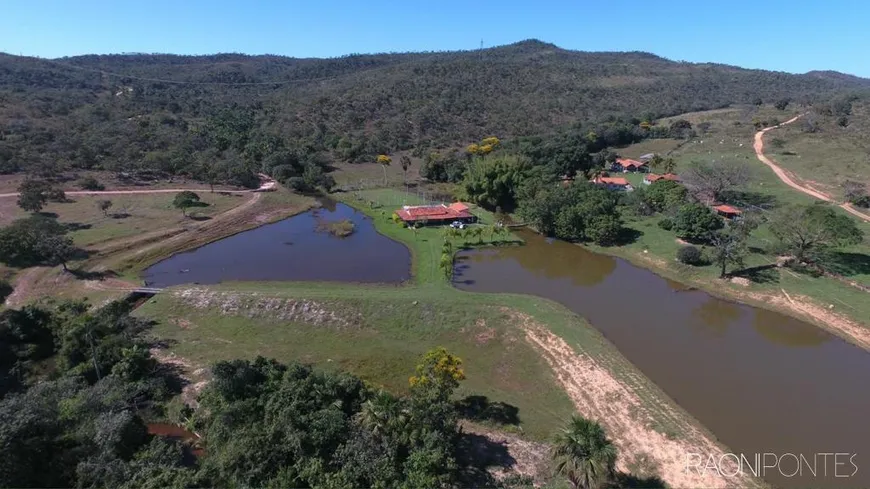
point(781, 35)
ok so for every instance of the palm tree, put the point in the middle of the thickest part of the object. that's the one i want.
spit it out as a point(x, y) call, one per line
point(477, 232)
point(406, 163)
point(584, 455)
point(383, 415)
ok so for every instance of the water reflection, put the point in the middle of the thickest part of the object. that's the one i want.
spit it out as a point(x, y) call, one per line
point(759, 380)
point(292, 249)
point(787, 332)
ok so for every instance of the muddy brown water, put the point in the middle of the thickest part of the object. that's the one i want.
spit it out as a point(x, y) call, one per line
point(296, 248)
point(761, 381)
point(175, 432)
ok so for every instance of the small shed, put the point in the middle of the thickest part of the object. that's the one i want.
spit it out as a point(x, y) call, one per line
point(727, 211)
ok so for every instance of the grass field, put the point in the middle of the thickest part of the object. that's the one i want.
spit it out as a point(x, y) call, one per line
point(129, 215)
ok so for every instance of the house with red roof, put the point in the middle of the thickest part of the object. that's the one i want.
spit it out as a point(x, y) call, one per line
point(651, 178)
point(626, 165)
point(613, 183)
point(436, 214)
point(727, 211)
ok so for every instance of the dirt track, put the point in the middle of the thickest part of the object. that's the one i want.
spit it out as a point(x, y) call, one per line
point(758, 145)
point(598, 395)
point(267, 185)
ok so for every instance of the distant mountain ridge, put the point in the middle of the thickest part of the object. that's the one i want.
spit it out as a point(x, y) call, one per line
point(359, 105)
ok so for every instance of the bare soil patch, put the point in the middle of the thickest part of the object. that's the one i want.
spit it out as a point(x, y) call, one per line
point(598, 395)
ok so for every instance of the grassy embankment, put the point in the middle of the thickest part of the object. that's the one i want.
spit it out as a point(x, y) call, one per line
point(378, 332)
point(730, 136)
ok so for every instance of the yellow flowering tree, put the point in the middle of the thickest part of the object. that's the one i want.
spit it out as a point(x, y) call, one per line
point(384, 161)
point(491, 141)
point(439, 372)
point(473, 149)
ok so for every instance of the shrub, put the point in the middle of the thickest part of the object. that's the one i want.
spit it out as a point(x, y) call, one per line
point(695, 222)
point(690, 255)
point(91, 183)
point(667, 224)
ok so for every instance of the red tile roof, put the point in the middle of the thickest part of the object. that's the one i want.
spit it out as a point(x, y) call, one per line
point(611, 181)
point(652, 177)
point(459, 206)
point(628, 163)
point(727, 209)
point(434, 212)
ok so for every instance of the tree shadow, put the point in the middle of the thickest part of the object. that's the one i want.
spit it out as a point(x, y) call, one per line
point(119, 215)
point(475, 453)
point(623, 480)
point(76, 226)
point(480, 408)
point(49, 215)
point(762, 274)
point(199, 203)
point(744, 198)
point(626, 236)
point(92, 275)
point(847, 264)
point(200, 218)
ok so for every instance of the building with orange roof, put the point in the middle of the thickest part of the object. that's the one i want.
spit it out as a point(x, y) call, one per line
point(613, 183)
point(436, 214)
point(628, 165)
point(727, 211)
point(651, 178)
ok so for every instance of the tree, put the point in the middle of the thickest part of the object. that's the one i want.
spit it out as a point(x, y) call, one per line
point(856, 193)
point(91, 183)
point(384, 161)
point(494, 181)
point(729, 247)
point(438, 370)
point(184, 200)
point(33, 194)
point(104, 205)
point(695, 222)
point(665, 194)
point(689, 255)
point(35, 240)
point(807, 231)
point(781, 104)
point(583, 454)
point(406, 163)
point(711, 179)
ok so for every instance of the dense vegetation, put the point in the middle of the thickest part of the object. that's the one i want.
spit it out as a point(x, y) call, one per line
point(226, 117)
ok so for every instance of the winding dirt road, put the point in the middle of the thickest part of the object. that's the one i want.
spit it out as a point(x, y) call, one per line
point(758, 145)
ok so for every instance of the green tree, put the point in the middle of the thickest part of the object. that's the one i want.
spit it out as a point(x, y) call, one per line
point(806, 232)
point(781, 104)
point(583, 454)
point(695, 222)
point(104, 205)
point(184, 200)
point(494, 181)
point(665, 194)
point(35, 240)
point(33, 194)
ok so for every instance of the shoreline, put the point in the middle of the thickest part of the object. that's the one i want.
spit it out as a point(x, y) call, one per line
point(845, 328)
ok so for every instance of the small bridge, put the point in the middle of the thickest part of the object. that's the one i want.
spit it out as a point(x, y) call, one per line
point(146, 290)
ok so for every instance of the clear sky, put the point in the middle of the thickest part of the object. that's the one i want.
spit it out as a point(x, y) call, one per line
point(795, 36)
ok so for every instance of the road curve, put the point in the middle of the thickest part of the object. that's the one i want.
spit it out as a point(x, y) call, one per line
point(758, 145)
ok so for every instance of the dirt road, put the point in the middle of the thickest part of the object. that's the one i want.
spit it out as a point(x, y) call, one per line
point(266, 185)
point(786, 179)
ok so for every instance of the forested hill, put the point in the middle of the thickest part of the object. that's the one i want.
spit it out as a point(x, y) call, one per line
point(118, 111)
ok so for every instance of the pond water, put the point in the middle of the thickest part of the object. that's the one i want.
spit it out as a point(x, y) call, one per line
point(297, 248)
point(760, 381)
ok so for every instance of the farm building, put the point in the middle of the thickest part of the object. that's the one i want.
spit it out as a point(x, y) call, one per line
point(613, 183)
point(629, 165)
point(436, 214)
point(727, 211)
point(651, 178)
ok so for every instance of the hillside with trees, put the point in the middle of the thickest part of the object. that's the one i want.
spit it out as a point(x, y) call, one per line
point(225, 117)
